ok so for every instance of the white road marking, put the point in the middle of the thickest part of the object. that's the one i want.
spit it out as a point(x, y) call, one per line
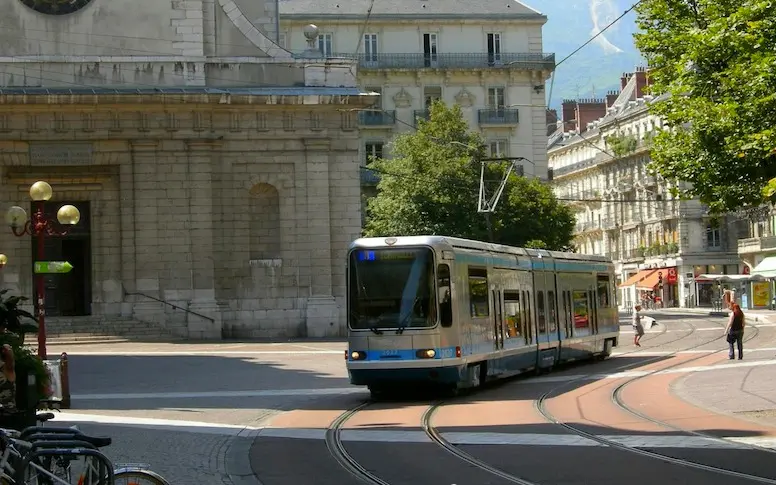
point(357, 390)
point(219, 394)
point(161, 424)
point(131, 353)
point(525, 439)
point(382, 435)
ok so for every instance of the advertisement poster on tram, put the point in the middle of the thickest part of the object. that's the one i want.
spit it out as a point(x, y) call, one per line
point(581, 317)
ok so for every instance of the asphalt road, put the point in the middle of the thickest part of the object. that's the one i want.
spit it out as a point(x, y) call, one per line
point(196, 413)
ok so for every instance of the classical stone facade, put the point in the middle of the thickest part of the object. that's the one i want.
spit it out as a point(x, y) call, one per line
point(218, 194)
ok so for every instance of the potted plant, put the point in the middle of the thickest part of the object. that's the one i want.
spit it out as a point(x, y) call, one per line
point(15, 323)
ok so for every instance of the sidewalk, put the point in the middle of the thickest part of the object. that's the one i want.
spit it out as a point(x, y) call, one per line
point(753, 316)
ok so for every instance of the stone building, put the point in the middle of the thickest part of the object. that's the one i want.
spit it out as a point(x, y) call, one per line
point(216, 174)
point(483, 55)
point(599, 157)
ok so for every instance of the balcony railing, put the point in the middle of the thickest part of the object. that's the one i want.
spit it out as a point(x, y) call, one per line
point(497, 116)
point(478, 60)
point(756, 244)
point(422, 114)
point(377, 118)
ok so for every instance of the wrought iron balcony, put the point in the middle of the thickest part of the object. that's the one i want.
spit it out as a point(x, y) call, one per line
point(756, 244)
point(377, 118)
point(423, 114)
point(478, 60)
point(369, 177)
point(497, 116)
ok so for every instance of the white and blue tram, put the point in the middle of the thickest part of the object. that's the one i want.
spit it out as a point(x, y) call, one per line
point(454, 312)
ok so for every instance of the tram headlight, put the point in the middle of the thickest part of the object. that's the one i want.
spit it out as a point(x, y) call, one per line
point(357, 355)
point(426, 354)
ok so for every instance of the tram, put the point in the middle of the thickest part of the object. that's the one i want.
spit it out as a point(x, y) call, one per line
point(455, 313)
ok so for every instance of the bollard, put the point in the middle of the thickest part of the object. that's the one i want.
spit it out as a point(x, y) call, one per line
point(64, 373)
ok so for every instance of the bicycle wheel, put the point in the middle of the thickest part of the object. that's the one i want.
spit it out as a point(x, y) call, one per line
point(138, 477)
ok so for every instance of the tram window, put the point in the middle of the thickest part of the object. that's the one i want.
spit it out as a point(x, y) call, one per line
point(540, 319)
point(445, 299)
point(604, 292)
point(512, 314)
point(581, 313)
point(552, 312)
point(528, 315)
point(478, 292)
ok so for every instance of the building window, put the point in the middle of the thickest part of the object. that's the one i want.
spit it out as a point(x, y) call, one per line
point(430, 49)
point(496, 99)
point(431, 94)
point(370, 48)
point(713, 239)
point(373, 150)
point(282, 40)
point(498, 148)
point(325, 42)
point(494, 48)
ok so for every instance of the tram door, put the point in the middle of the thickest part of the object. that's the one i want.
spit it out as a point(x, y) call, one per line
point(542, 307)
point(498, 319)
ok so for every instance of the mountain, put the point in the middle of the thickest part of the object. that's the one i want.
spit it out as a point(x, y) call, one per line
point(598, 66)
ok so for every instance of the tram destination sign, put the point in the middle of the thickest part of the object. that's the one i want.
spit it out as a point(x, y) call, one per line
point(56, 267)
point(51, 154)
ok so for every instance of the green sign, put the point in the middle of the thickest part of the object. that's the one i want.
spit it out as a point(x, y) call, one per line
point(52, 267)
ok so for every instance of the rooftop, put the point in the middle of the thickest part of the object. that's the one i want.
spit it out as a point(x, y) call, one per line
point(439, 9)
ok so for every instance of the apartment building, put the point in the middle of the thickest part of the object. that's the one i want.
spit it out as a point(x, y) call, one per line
point(485, 56)
point(598, 159)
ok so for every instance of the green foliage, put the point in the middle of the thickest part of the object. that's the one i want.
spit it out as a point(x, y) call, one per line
point(431, 187)
point(622, 145)
point(14, 319)
point(14, 324)
point(715, 58)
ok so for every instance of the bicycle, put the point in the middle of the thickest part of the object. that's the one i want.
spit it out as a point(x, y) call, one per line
point(128, 473)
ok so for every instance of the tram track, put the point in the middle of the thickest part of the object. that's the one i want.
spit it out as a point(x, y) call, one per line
point(339, 452)
point(540, 405)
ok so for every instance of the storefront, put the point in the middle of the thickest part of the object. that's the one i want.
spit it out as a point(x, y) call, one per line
point(750, 291)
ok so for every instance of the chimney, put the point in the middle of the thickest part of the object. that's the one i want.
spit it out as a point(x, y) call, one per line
point(624, 79)
point(552, 121)
point(641, 81)
point(611, 97)
point(568, 110)
point(589, 110)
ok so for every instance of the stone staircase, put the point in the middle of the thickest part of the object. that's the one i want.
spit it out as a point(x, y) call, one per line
point(101, 328)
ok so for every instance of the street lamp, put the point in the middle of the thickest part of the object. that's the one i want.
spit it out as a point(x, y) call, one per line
point(3, 260)
point(38, 226)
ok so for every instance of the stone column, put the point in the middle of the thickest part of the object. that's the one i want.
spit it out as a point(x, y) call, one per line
point(203, 295)
point(141, 232)
point(322, 312)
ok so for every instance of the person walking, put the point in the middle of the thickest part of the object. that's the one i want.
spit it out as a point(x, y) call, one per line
point(734, 332)
point(637, 326)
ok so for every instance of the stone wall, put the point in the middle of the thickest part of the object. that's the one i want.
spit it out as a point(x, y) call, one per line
point(241, 214)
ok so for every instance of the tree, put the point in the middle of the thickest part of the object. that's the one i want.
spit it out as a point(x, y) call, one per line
point(714, 60)
point(431, 187)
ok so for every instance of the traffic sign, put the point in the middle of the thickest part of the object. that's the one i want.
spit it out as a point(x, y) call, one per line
point(52, 267)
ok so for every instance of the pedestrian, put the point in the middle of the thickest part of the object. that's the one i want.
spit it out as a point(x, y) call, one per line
point(734, 332)
point(637, 326)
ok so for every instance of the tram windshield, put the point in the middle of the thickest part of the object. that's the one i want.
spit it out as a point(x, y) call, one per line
point(391, 288)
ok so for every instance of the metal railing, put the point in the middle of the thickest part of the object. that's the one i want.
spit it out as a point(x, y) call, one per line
point(377, 118)
point(498, 116)
point(476, 60)
point(172, 305)
point(423, 114)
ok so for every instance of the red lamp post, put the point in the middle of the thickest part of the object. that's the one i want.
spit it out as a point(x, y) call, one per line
point(39, 226)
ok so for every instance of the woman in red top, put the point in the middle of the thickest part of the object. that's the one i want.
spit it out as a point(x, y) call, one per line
point(734, 332)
